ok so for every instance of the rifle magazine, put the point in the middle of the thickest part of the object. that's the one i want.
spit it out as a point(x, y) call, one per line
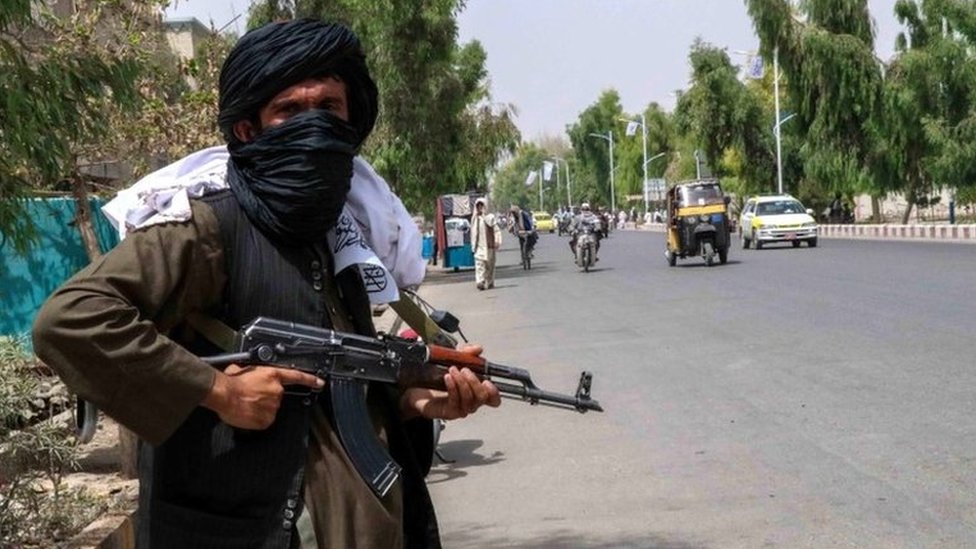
point(355, 430)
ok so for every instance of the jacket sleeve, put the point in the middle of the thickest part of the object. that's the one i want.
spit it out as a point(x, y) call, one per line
point(104, 331)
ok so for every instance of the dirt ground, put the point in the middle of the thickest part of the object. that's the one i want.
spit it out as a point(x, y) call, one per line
point(99, 474)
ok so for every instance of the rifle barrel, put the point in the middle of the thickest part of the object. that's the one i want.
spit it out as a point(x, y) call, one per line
point(556, 400)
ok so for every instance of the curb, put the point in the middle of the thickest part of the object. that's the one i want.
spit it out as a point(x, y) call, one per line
point(919, 233)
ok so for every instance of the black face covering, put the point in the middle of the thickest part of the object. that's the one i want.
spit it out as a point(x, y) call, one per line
point(292, 179)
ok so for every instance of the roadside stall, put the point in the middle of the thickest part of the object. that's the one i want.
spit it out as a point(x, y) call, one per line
point(452, 228)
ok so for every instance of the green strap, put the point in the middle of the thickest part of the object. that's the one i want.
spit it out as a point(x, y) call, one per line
point(214, 330)
point(416, 318)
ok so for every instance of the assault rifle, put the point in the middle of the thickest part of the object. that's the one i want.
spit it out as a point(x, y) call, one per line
point(349, 361)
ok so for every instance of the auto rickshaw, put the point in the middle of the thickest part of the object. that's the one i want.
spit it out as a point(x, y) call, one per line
point(698, 222)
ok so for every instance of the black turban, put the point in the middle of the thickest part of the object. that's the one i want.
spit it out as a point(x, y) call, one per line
point(276, 56)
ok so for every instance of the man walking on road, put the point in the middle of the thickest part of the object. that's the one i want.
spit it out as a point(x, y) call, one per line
point(485, 238)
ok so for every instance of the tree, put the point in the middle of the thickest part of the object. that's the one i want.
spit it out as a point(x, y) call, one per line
point(726, 120)
point(835, 86)
point(509, 186)
point(57, 76)
point(177, 112)
point(438, 130)
point(935, 72)
point(602, 117)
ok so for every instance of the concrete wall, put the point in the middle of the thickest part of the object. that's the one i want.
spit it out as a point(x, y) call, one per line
point(929, 232)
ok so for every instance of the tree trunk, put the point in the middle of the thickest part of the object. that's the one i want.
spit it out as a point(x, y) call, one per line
point(83, 218)
point(876, 210)
point(128, 442)
point(908, 209)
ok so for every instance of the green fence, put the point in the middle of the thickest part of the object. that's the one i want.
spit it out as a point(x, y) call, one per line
point(27, 280)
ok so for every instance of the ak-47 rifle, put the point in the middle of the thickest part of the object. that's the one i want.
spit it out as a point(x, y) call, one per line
point(349, 361)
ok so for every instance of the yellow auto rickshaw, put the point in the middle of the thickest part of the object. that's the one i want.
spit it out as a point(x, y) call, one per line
point(698, 222)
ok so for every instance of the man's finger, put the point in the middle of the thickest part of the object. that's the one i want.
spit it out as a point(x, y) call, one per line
point(465, 393)
point(295, 377)
point(452, 391)
point(494, 395)
point(471, 349)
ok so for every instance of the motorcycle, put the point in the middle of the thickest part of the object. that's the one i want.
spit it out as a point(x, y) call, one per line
point(586, 242)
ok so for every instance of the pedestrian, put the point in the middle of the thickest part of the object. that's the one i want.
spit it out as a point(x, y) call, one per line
point(485, 239)
point(228, 460)
point(836, 209)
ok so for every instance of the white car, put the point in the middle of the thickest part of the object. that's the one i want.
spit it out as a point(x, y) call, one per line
point(779, 218)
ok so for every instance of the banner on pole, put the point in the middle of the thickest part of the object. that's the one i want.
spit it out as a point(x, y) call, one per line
point(756, 69)
point(547, 170)
point(530, 179)
point(632, 128)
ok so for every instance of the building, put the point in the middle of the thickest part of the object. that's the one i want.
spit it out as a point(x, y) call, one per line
point(185, 35)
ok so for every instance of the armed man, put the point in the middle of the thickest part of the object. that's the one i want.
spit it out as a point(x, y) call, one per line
point(229, 459)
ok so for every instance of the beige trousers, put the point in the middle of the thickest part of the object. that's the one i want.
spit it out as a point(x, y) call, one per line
point(484, 270)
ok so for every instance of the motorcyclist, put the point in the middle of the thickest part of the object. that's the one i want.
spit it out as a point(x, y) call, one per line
point(585, 217)
point(563, 220)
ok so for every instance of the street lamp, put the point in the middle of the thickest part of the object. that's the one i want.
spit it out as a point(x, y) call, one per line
point(609, 139)
point(569, 194)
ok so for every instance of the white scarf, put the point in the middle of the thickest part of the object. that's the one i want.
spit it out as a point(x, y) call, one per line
point(374, 231)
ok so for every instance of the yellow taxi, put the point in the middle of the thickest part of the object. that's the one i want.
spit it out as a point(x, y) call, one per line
point(779, 218)
point(544, 222)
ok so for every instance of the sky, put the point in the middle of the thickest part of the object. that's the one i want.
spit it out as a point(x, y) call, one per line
point(553, 58)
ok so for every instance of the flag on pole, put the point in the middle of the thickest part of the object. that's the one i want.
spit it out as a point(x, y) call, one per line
point(632, 128)
point(547, 170)
point(756, 68)
point(531, 178)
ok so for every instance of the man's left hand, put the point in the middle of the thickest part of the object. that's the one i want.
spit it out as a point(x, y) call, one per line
point(464, 395)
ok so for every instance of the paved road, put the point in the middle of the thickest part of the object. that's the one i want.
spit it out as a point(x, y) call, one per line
point(791, 398)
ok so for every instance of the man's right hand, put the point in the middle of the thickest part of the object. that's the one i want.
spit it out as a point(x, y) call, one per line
point(248, 398)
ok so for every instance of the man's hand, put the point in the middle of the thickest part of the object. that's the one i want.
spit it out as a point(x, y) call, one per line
point(248, 398)
point(464, 395)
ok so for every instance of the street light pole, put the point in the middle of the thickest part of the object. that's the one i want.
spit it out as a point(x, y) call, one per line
point(609, 139)
point(644, 136)
point(643, 125)
point(569, 196)
point(540, 190)
point(779, 120)
point(646, 162)
point(779, 141)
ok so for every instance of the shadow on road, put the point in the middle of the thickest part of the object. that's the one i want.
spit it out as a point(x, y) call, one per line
point(461, 455)
point(466, 276)
point(562, 538)
point(691, 264)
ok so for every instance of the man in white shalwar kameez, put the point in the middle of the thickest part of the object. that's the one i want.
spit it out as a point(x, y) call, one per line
point(485, 239)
